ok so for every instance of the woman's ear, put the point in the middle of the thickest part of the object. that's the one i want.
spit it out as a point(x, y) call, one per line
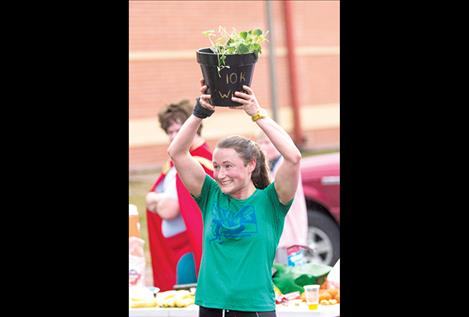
point(252, 165)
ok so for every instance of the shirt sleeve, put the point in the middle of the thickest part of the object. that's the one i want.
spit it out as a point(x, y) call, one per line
point(207, 189)
point(283, 208)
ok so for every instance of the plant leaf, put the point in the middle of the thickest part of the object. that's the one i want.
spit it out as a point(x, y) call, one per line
point(255, 47)
point(257, 32)
point(243, 49)
point(224, 43)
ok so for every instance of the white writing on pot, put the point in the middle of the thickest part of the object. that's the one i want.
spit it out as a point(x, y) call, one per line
point(232, 78)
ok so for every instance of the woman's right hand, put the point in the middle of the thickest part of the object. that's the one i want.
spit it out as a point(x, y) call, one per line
point(205, 98)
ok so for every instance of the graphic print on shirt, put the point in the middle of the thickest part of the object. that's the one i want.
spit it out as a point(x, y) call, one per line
point(228, 224)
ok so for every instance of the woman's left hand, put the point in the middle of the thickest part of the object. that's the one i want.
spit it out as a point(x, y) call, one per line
point(247, 100)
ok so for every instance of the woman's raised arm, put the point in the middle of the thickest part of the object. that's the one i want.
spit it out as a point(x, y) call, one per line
point(288, 174)
point(189, 170)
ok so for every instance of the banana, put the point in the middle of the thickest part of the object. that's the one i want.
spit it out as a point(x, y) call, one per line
point(142, 303)
point(173, 298)
point(181, 298)
point(141, 297)
point(163, 297)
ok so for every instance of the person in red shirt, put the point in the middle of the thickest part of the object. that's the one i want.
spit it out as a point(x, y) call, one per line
point(173, 218)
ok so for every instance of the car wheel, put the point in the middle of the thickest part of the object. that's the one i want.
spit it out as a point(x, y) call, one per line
point(323, 238)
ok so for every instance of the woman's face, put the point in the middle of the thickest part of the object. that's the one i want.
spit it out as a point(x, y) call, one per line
point(172, 130)
point(230, 172)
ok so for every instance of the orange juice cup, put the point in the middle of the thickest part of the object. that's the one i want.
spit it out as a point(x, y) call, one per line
point(134, 222)
point(312, 296)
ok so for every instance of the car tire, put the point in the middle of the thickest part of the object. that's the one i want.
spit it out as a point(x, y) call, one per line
point(323, 238)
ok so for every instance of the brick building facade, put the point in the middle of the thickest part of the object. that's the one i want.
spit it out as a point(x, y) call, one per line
point(164, 35)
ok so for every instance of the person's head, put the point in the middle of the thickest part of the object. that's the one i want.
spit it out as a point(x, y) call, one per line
point(270, 151)
point(237, 161)
point(172, 117)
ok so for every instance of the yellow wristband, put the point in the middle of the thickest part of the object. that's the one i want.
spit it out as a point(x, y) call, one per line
point(258, 116)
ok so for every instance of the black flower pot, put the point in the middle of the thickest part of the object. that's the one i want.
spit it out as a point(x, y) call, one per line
point(222, 85)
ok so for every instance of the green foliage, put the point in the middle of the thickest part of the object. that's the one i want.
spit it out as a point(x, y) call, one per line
point(291, 279)
point(224, 43)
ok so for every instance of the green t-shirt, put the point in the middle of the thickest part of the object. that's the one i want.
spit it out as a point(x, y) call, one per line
point(239, 243)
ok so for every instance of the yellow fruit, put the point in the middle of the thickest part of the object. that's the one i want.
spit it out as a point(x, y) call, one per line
point(277, 291)
point(333, 292)
point(142, 303)
point(183, 298)
point(324, 294)
point(188, 301)
point(165, 299)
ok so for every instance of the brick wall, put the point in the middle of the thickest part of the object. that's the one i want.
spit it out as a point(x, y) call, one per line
point(162, 67)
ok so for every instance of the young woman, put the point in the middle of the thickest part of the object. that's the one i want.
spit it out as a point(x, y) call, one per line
point(243, 213)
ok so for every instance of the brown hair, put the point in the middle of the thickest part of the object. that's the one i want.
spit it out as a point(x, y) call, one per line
point(176, 113)
point(249, 150)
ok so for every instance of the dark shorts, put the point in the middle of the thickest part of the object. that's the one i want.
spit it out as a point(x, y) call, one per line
point(215, 312)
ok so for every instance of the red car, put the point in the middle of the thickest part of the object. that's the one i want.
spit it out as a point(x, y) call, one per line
point(321, 184)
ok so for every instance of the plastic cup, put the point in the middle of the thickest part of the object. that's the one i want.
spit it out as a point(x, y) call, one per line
point(134, 222)
point(312, 296)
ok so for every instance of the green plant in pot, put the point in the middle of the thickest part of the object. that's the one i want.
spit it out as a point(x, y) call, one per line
point(229, 63)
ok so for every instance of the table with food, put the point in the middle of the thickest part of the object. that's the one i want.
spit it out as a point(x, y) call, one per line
point(290, 288)
point(281, 310)
point(180, 303)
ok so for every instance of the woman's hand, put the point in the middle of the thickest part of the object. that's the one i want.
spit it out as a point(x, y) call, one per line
point(163, 205)
point(151, 201)
point(247, 100)
point(205, 98)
